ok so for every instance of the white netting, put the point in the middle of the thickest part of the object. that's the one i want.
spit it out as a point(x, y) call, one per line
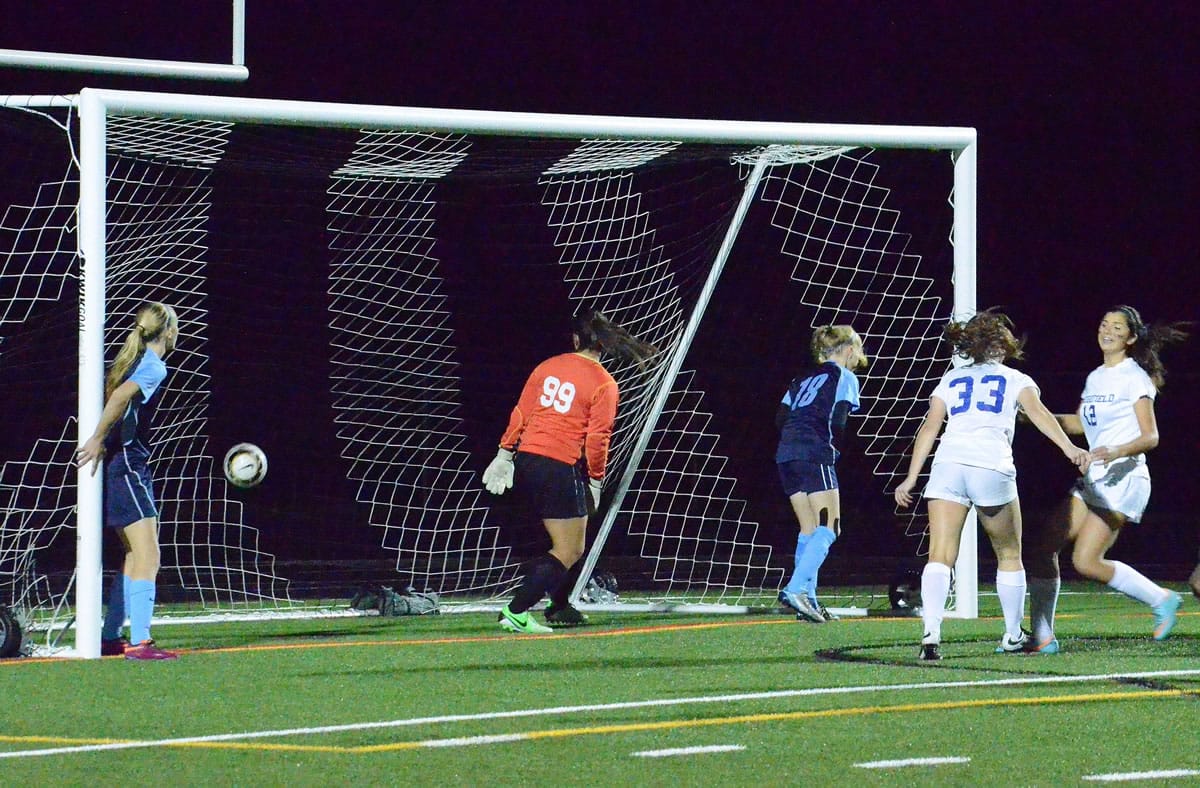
point(365, 306)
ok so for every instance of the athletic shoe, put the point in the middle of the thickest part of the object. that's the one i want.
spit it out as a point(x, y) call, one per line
point(1045, 647)
point(828, 616)
point(113, 648)
point(566, 616)
point(804, 607)
point(521, 623)
point(1164, 615)
point(930, 652)
point(1010, 645)
point(147, 650)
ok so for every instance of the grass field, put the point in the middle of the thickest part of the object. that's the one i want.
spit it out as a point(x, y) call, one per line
point(643, 699)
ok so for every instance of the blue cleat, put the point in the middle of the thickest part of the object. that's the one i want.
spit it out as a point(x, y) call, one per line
point(1165, 615)
point(1045, 647)
point(804, 607)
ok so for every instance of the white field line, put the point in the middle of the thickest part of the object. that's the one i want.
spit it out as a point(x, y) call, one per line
point(565, 710)
point(1124, 777)
point(689, 750)
point(912, 762)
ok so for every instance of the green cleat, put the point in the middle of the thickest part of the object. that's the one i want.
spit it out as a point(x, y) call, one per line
point(521, 623)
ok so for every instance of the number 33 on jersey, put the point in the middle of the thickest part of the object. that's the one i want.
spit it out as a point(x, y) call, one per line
point(567, 408)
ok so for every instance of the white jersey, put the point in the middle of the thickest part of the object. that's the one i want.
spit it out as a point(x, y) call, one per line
point(981, 405)
point(1106, 406)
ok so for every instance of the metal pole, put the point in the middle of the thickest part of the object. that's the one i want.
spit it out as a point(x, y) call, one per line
point(670, 375)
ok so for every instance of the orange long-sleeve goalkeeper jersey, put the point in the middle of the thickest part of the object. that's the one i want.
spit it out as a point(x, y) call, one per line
point(566, 410)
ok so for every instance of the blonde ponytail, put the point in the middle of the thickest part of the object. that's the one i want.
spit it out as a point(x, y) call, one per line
point(152, 320)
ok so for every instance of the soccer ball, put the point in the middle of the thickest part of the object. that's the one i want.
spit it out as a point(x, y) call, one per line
point(245, 465)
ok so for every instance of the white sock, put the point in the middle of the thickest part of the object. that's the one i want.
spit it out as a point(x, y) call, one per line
point(1133, 583)
point(1010, 587)
point(1043, 599)
point(935, 588)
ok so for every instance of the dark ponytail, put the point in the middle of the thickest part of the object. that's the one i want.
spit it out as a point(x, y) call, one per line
point(1150, 340)
point(597, 332)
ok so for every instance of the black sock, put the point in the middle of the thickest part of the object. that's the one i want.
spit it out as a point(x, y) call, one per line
point(560, 596)
point(543, 574)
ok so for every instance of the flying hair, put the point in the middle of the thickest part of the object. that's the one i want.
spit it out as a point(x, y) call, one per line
point(597, 332)
point(988, 336)
point(1150, 341)
point(151, 320)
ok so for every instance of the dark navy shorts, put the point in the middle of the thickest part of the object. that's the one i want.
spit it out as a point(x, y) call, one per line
point(552, 489)
point(798, 476)
point(128, 488)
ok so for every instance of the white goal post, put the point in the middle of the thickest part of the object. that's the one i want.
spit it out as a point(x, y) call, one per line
point(393, 155)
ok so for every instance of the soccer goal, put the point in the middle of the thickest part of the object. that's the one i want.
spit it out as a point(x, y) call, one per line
point(362, 291)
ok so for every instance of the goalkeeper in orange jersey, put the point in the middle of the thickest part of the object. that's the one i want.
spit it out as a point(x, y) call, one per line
point(565, 412)
point(810, 417)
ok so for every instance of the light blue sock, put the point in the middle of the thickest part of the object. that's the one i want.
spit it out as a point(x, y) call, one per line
point(814, 556)
point(794, 585)
point(141, 609)
point(114, 614)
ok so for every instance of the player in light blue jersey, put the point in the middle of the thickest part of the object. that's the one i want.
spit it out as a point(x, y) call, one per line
point(810, 418)
point(122, 439)
point(977, 404)
point(1116, 415)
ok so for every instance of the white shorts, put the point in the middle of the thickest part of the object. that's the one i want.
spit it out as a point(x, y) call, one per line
point(967, 485)
point(1122, 486)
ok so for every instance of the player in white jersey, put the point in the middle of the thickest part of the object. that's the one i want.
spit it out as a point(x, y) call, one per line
point(973, 466)
point(1116, 415)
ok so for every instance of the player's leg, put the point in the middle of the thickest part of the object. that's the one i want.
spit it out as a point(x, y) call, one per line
point(545, 573)
point(946, 519)
point(1002, 524)
point(1040, 549)
point(801, 482)
point(557, 494)
point(1097, 535)
point(827, 507)
point(1194, 581)
point(792, 477)
point(112, 640)
point(568, 540)
point(796, 594)
point(141, 566)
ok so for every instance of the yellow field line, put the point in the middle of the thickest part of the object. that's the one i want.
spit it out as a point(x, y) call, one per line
point(744, 719)
point(601, 730)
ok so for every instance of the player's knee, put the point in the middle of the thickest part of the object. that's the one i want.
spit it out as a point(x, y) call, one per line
point(567, 555)
point(1194, 580)
point(1087, 566)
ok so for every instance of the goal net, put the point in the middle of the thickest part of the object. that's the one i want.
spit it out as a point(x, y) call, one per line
point(362, 291)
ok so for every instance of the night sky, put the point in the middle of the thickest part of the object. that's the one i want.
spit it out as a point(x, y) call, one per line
point(1087, 117)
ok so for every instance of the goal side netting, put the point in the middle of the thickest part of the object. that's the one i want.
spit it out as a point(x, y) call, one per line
point(362, 291)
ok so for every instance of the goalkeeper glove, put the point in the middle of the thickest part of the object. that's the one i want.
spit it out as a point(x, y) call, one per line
point(594, 486)
point(499, 474)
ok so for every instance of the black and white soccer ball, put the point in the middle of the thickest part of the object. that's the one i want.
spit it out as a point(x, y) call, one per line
point(245, 465)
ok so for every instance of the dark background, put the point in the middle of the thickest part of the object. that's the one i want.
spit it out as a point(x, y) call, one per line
point(1086, 114)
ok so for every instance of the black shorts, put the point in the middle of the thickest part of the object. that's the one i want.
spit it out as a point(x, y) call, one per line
point(128, 488)
point(798, 476)
point(553, 490)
